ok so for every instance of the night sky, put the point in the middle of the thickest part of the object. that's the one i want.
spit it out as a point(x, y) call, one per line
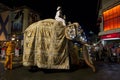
point(82, 11)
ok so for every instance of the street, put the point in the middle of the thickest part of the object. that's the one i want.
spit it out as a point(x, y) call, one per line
point(105, 71)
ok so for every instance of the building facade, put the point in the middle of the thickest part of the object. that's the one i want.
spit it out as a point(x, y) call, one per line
point(109, 12)
point(15, 21)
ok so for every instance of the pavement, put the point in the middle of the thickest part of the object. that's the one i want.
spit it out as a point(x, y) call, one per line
point(105, 71)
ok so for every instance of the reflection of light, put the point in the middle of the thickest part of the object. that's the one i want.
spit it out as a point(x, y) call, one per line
point(111, 38)
point(94, 44)
point(13, 39)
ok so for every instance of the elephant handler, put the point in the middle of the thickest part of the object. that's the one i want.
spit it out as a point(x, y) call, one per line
point(10, 45)
point(59, 16)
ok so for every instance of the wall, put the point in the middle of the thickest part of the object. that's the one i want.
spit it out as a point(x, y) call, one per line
point(16, 21)
point(5, 25)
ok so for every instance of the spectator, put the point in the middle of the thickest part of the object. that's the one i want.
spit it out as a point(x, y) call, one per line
point(118, 54)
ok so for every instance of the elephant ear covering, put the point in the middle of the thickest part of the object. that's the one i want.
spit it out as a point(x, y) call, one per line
point(75, 32)
point(71, 31)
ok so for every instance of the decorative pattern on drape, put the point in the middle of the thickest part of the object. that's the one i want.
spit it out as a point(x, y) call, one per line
point(46, 46)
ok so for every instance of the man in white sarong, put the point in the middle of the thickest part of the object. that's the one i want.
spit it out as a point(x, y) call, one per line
point(59, 16)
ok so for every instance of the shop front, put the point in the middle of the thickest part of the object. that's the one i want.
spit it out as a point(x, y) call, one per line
point(112, 38)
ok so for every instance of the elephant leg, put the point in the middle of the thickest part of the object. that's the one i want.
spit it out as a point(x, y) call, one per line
point(87, 58)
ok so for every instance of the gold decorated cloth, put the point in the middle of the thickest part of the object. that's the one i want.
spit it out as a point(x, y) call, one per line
point(46, 46)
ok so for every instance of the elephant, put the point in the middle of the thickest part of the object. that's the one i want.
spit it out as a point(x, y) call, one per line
point(76, 33)
point(48, 44)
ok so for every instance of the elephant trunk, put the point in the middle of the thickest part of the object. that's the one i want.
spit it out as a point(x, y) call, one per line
point(87, 58)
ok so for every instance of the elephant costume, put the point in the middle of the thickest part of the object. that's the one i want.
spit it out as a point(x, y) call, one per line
point(47, 44)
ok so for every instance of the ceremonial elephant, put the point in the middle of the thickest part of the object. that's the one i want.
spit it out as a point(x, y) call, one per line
point(75, 33)
point(48, 44)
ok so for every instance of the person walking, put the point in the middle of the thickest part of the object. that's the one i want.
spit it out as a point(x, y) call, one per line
point(10, 46)
point(3, 50)
point(17, 51)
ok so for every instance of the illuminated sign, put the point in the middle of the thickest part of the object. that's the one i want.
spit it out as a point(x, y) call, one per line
point(108, 36)
point(111, 18)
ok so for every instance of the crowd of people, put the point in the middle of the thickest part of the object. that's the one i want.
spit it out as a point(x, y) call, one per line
point(106, 53)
